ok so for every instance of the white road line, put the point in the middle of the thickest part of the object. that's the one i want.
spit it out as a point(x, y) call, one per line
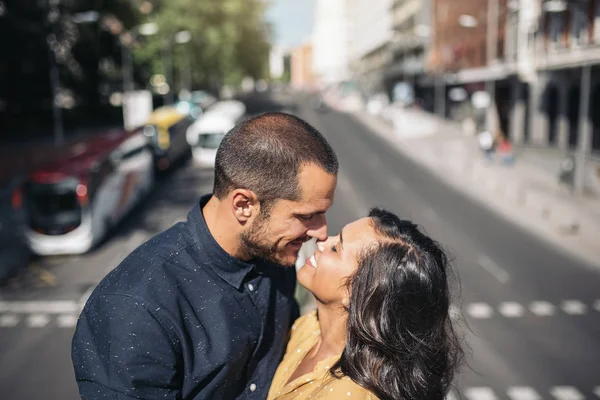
point(597, 391)
point(454, 311)
point(523, 393)
point(510, 309)
point(480, 310)
point(566, 393)
point(66, 320)
point(574, 307)
point(8, 320)
point(430, 214)
point(451, 396)
point(398, 183)
point(480, 393)
point(542, 308)
point(32, 307)
point(38, 320)
point(494, 269)
point(597, 305)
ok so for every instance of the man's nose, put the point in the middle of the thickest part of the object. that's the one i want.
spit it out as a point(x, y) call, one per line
point(319, 229)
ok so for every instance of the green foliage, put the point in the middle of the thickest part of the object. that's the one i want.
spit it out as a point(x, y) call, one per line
point(229, 40)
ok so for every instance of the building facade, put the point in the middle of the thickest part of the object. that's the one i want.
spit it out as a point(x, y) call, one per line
point(330, 41)
point(301, 67)
point(370, 32)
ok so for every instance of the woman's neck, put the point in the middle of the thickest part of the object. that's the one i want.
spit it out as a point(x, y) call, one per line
point(332, 322)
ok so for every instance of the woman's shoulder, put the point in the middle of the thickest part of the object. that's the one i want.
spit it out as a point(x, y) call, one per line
point(343, 387)
point(305, 325)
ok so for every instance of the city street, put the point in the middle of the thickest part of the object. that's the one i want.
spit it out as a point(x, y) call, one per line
point(530, 314)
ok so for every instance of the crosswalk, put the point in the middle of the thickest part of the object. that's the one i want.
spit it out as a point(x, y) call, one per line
point(65, 314)
point(539, 308)
point(525, 393)
point(38, 320)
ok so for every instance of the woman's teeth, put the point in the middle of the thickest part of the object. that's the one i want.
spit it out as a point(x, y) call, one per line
point(313, 261)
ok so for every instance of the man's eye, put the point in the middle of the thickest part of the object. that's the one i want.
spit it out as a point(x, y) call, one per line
point(305, 217)
point(334, 248)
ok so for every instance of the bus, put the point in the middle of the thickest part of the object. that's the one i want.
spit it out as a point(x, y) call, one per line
point(72, 203)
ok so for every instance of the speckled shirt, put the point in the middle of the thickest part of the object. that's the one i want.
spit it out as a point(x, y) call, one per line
point(181, 319)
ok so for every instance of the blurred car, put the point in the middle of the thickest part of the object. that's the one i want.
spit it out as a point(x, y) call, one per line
point(166, 128)
point(206, 134)
point(203, 99)
point(14, 252)
point(72, 203)
point(190, 108)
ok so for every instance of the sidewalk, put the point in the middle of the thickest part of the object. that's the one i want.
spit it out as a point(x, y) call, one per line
point(527, 193)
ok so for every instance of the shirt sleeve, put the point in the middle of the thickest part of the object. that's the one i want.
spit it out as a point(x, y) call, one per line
point(121, 351)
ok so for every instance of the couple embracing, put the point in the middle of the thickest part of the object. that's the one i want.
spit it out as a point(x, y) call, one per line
point(206, 309)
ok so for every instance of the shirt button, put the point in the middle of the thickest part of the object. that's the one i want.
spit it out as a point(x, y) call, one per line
point(251, 288)
point(252, 387)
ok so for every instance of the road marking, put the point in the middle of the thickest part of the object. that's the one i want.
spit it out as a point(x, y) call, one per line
point(511, 309)
point(451, 396)
point(494, 269)
point(574, 307)
point(523, 393)
point(566, 393)
point(38, 320)
point(597, 307)
point(67, 320)
point(480, 310)
point(33, 307)
point(8, 320)
point(454, 311)
point(480, 393)
point(398, 183)
point(542, 308)
point(430, 214)
point(597, 391)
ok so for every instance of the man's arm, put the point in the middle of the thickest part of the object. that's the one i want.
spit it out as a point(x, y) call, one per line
point(120, 351)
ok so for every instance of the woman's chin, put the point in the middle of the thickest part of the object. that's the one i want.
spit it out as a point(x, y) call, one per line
point(306, 275)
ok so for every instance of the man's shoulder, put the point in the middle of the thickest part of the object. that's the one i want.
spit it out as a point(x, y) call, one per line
point(149, 267)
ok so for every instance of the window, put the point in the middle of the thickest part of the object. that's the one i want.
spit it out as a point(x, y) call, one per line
point(557, 25)
point(597, 21)
point(579, 26)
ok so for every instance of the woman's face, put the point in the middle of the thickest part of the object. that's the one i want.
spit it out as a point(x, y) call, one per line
point(326, 272)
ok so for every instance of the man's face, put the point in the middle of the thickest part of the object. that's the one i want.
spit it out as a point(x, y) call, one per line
point(278, 234)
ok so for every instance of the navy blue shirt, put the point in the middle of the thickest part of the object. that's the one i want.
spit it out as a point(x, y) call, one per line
point(179, 318)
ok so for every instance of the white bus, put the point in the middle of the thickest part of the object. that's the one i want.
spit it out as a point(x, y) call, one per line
point(71, 204)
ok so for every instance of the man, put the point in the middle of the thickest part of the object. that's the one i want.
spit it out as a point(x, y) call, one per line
point(203, 310)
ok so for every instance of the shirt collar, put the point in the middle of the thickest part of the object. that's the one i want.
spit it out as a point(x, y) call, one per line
point(230, 269)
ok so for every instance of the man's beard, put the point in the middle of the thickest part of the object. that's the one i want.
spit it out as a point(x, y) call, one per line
point(255, 244)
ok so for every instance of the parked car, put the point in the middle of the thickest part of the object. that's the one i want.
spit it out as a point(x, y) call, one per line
point(14, 252)
point(72, 203)
point(206, 134)
point(166, 128)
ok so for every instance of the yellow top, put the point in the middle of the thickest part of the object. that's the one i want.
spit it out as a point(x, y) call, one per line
point(319, 384)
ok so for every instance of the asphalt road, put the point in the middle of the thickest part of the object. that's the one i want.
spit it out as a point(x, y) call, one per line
point(531, 313)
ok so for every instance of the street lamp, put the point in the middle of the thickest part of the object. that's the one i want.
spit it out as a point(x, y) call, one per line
point(180, 37)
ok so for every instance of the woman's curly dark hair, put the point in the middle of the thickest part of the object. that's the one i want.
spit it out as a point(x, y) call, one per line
point(401, 342)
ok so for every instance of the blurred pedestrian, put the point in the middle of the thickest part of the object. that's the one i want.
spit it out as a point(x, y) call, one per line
point(203, 310)
point(382, 329)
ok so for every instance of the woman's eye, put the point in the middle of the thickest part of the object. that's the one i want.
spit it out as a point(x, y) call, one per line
point(334, 248)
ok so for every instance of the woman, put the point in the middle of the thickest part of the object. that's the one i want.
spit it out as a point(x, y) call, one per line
point(382, 327)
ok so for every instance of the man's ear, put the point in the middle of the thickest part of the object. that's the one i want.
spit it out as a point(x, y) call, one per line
point(244, 204)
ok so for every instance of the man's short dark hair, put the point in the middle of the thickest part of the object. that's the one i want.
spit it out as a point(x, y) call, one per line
point(264, 154)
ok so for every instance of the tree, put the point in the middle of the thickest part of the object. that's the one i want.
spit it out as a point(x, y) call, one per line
point(229, 40)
